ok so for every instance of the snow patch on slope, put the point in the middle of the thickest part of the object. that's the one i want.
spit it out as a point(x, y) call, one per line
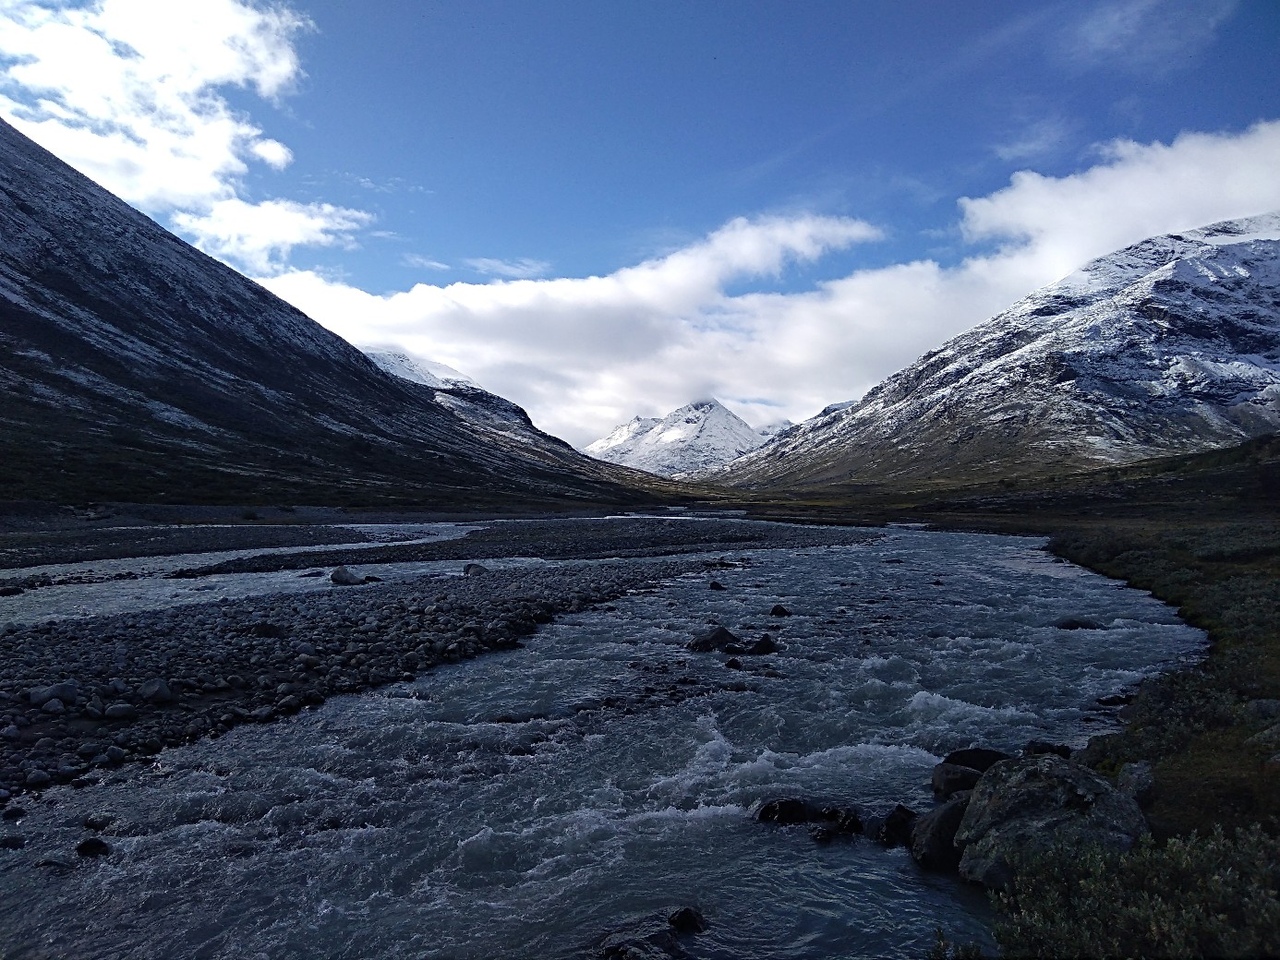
point(695, 439)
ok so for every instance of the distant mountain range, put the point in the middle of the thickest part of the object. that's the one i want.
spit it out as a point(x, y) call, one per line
point(692, 441)
point(1168, 346)
point(134, 367)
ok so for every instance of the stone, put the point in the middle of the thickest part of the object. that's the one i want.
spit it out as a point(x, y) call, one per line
point(156, 691)
point(788, 810)
point(121, 711)
point(97, 821)
point(779, 610)
point(895, 829)
point(951, 778)
point(713, 640)
point(93, 847)
point(474, 570)
point(345, 578)
point(13, 813)
point(1033, 802)
point(717, 585)
point(54, 707)
point(37, 778)
point(981, 759)
point(933, 835)
point(66, 691)
point(12, 841)
point(687, 920)
point(733, 663)
point(1078, 623)
point(765, 645)
point(836, 822)
point(115, 754)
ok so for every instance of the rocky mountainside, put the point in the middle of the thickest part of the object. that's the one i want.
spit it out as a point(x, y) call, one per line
point(693, 440)
point(134, 367)
point(1169, 346)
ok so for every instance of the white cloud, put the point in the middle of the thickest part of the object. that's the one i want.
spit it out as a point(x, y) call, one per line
point(585, 354)
point(1035, 141)
point(522, 269)
point(127, 91)
point(261, 235)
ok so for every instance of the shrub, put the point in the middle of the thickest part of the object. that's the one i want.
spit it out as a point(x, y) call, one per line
point(1211, 896)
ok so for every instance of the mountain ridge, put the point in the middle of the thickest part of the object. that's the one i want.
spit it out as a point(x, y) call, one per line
point(1170, 345)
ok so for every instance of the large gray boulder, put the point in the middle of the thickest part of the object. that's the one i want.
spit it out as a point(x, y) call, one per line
point(1023, 805)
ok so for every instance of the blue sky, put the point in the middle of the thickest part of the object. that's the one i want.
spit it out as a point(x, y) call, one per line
point(608, 209)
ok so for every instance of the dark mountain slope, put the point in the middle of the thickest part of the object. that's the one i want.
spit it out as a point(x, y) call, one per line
point(134, 367)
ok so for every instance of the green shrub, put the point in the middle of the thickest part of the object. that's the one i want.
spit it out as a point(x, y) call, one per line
point(1208, 896)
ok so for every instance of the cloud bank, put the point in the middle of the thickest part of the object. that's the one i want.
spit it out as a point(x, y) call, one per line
point(585, 354)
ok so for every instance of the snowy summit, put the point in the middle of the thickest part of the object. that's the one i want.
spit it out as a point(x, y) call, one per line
point(694, 439)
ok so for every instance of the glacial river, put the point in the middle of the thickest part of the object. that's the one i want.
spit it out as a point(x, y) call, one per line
point(481, 812)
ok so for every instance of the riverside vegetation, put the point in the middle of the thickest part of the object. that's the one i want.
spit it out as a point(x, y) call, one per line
point(1201, 533)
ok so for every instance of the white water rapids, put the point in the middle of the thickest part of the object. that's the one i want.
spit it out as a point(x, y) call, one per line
point(481, 812)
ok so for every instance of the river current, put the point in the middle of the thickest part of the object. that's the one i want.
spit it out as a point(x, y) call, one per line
point(527, 803)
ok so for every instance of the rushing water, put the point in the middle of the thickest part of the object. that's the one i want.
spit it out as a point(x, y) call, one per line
point(481, 812)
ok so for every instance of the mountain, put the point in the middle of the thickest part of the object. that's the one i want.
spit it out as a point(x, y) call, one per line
point(134, 367)
point(696, 439)
point(1168, 346)
point(484, 412)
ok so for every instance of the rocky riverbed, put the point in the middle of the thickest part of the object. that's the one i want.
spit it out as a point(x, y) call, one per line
point(78, 695)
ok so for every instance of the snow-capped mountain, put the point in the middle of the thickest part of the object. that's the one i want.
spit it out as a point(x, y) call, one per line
point(132, 366)
point(410, 366)
point(485, 412)
point(696, 439)
point(1168, 346)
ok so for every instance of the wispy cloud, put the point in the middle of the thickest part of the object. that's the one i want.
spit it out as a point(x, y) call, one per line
point(128, 91)
point(522, 269)
point(1035, 141)
point(1146, 35)
point(423, 263)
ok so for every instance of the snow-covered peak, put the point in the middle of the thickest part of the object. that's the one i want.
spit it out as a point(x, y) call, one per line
point(699, 437)
point(410, 366)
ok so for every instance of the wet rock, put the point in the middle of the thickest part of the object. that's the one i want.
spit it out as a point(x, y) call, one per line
point(13, 813)
point(93, 847)
point(895, 829)
point(837, 822)
point(121, 711)
point(1079, 623)
point(977, 758)
point(951, 778)
point(716, 639)
point(54, 707)
point(10, 591)
point(717, 585)
point(156, 691)
point(344, 577)
point(474, 570)
point(779, 610)
point(12, 841)
point(733, 663)
point(687, 920)
point(1030, 803)
point(98, 821)
point(933, 835)
point(765, 645)
point(786, 811)
point(37, 778)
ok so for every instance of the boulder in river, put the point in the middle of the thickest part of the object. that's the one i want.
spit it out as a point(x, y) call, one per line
point(474, 570)
point(933, 835)
point(156, 691)
point(715, 639)
point(894, 829)
point(345, 578)
point(951, 778)
point(981, 759)
point(1031, 803)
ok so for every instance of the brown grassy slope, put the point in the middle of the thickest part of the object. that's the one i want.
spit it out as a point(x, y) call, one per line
point(1201, 533)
